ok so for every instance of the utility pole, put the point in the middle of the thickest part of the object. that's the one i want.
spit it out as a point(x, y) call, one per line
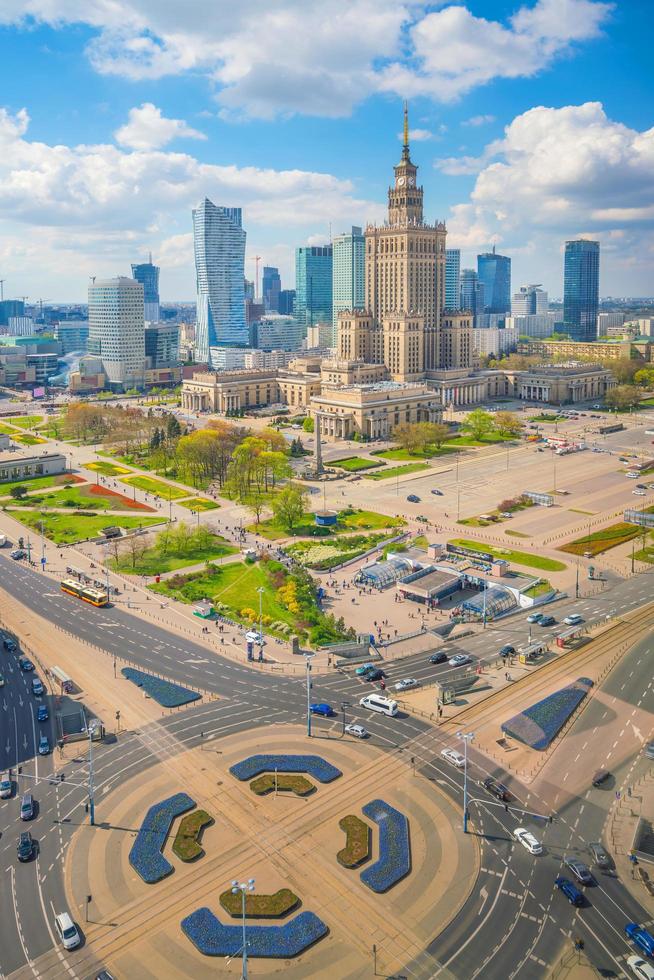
point(308, 657)
point(467, 737)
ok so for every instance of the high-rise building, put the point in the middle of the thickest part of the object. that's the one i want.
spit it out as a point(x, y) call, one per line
point(608, 321)
point(276, 332)
point(286, 301)
point(148, 275)
point(248, 286)
point(581, 288)
point(21, 326)
point(452, 274)
point(494, 273)
point(471, 293)
point(529, 300)
point(532, 324)
point(10, 307)
point(219, 243)
point(456, 340)
point(349, 252)
point(313, 285)
point(162, 345)
point(117, 330)
point(73, 335)
point(270, 288)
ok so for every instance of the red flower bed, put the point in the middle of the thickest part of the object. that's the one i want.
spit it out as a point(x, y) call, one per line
point(122, 502)
point(64, 478)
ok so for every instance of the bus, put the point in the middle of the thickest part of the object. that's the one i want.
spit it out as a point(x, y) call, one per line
point(62, 679)
point(96, 597)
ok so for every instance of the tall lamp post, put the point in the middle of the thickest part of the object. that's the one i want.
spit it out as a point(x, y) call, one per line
point(261, 591)
point(344, 705)
point(243, 887)
point(92, 728)
point(467, 737)
point(308, 657)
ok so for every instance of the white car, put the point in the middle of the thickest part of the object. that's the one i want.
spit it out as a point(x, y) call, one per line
point(254, 636)
point(453, 757)
point(67, 931)
point(459, 660)
point(406, 684)
point(640, 968)
point(528, 840)
point(573, 619)
point(639, 493)
point(358, 731)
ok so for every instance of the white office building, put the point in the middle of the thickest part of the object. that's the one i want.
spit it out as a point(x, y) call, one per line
point(21, 326)
point(117, 330)
point(532, 325)
point(605, 321)
point(494, 341)
point(348, 261)
point(277, 332)
point(529, 301)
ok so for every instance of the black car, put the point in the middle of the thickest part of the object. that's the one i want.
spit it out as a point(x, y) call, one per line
point(580, 870)
point(374, 675)
point(571, 892)
point(601, 777)
point(9, 644)
point(547, 621)
point(496, 789)
point(438, 658)
point(25, 664)
point(413, 498)
point(25, 846)
point(507, 651)
point(600, 856)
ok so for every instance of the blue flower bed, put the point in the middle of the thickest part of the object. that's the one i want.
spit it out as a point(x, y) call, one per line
point(145, 856)
point(165, 693)
point(256, 764)
point(394, 850)
point(539, 725)
point(212, 938)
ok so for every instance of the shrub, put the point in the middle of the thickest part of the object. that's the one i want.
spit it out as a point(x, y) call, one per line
point(285, 783)
point(394, 852)
point(145, 855)
point(357, 842)
point(254, 765)
point(165, 693)
point(260, 906)
point(211, 937)
point(186, 845)
point(538, 725)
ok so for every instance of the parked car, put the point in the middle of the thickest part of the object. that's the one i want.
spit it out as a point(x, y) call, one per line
point(413, 498)
point(363, 669)
point(649, 750)
point(571, 892)
point(44, 745)
point(37, 687)
point(546, 621)
point(600, 777)
point(42, 713)
point(437, 493)
point(459, 660)
point(498, 790)
point(600, 856)
point(534, 617)
point(640, 937)
point(322, 709)
point(573, 619)
point(580, 870)
point(639, 493)
point(67, 931)
point(528, 841)
point(18, 554)
point(406, 684)
point(25, 664)
point(640, 968)
point(254, 636)
point(507, 650)
point(358, 731)
point(438, 658)
point(25, 846)
point(506, 514)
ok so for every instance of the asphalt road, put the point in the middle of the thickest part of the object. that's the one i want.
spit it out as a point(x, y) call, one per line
point(514, 924)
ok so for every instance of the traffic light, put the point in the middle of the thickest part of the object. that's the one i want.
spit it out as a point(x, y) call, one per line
point(62, 776)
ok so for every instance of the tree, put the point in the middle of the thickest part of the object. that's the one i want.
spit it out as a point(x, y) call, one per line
point(256, 503)
point(439, 433)
point(308, 424)
point(479, 424)
point(18, 492)
point(645, 377)
point(622, 398)
point(623, 370)
point(135, 546)
point(508, 423)
point(289, 506)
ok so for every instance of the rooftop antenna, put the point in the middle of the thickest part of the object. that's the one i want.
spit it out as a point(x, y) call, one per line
point(405, 148)
point(150, 257)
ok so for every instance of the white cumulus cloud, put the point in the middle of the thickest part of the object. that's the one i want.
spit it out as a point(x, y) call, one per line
point(148, 129)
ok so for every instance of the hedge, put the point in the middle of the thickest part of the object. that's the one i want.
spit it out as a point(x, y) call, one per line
point(254, 765)
point(145, 856)
point(394, 852)
point(186, 845)
point(284, 782)
point(274, 906)
point(165, 693)
point(357, 842)
point(211, 937)
point(538, 725)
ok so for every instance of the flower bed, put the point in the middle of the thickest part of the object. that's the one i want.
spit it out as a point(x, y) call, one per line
point(165, 693)
point(145, 856)
point(260, 906)
point(254, 765)
point(539, 725)
point(211, 937)
point(357, 842)
point(186, 845)
point(283, 782)
point(394, 850)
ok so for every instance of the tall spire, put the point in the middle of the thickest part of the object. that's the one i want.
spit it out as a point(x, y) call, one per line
point(405, 148)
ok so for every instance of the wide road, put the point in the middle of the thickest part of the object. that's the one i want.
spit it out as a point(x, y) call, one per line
point(514, 918)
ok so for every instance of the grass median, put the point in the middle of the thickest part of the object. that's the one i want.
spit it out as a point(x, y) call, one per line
point(156, 487)
point(397, 471)
point(517, 557)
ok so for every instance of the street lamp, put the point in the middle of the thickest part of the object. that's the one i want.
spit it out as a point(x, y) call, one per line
point(467, 737)
point(344, 705)
point(243, 887)
point(261, 591)
point(92, 729)
point(308, 657)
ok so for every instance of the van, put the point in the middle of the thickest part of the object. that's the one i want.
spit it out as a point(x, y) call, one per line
point(375, 702)
point(67, 931)
point(453, 757)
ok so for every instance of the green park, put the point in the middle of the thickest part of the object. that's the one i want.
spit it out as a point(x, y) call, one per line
point(175, 546)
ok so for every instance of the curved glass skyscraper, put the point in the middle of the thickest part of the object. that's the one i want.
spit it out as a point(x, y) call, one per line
point(219, 244)
point(494, 272)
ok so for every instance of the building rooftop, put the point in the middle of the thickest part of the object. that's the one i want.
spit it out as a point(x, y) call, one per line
point(20, 456)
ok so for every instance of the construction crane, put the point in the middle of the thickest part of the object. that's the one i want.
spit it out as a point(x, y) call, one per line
point(41, 302)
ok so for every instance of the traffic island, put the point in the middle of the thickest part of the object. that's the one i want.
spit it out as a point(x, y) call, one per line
point(357, 842)
point(212, 938)
point(186, 845)
point(282, 783)
point(145, 856)
point(276, 906)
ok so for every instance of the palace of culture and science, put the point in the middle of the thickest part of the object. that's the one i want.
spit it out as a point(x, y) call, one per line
point(404, 358)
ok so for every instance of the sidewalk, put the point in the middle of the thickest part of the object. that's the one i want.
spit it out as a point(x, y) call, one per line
point(620, 829)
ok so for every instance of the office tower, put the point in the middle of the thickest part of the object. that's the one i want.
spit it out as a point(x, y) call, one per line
point(529, 301)
point(348, 273)
point(313, 285)
point(162, 345)
point(117, 330)
point(148, 275)
point(277, 332)
point(452, 276)
point(607, 322)
point(270, 288)
point(73, 336)
point(286, 301)
point(21, 326)
point(10, 307)
point(219, 244)
point(471, 293)
point(456, 340)
point(248, 285)
point(581, 288)
point(494, 272)
point(532, 324)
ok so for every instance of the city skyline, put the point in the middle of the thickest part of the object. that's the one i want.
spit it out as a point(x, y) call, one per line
point(550, 141)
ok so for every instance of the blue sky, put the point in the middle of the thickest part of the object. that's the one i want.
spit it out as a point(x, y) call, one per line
point(532, 124)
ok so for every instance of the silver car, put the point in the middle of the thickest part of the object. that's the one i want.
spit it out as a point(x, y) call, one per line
point(406, 684)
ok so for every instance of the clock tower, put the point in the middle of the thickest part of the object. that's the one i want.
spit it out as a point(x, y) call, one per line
point(405, 197)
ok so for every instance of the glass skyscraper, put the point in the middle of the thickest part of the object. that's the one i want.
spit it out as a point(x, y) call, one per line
point(270, 288)
point(148, 275)
point(219, 244)
point(452, 276)
point(581, 289)
point(349, 252)
point(495, 273)
point(313, 285)
point(471, 295)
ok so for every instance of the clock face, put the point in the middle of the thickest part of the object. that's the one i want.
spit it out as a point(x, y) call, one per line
point(400, 181)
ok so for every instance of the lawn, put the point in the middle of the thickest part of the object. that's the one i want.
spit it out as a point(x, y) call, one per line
point(156, 487)
point(517, 557)
point(40, 482)
point(6, 431)
point(88, 497)
point(27, 439)
point(352, 464)
point(403, 454)
point(323, 555)
point(396, 471)
point(539, 589)
point(645, 554)
point(545, 418)
point(27, 421)
point(516, 534)
point(155, 560)
point(600, 541)
point(105, 468)
point(489, 440)
point(348, 520)
point(199, 503)
point(68, 528)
